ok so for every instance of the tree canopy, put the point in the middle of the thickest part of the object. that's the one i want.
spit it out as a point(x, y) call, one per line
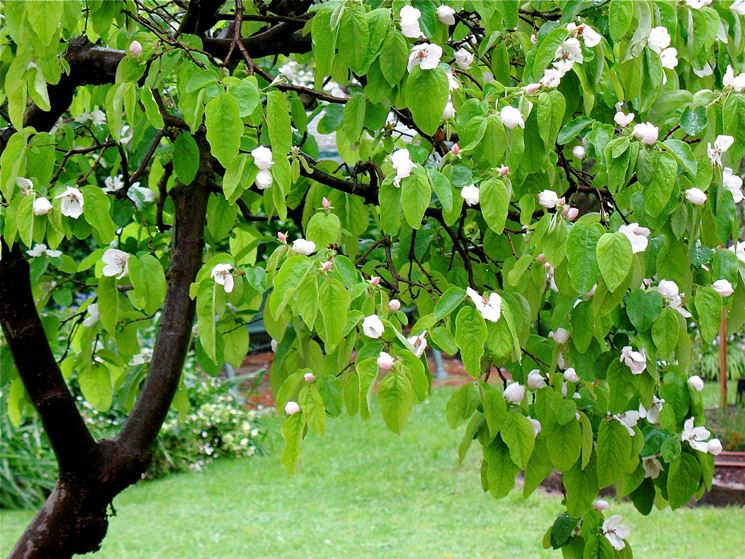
point(548, 188)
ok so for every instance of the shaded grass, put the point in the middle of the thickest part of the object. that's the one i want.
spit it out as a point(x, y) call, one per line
point(365, 492)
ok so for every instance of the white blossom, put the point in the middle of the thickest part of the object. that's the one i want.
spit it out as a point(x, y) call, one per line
point(733, 183)
point(426, 56)
point(707, 70)
point(394, 305)
point(652, 415)
point(548, 199)
point(652, 467)
point(696, 382)
point(116, 263)
point(96, 117)
point(669, 58)
point(135, 48)
point(490, 306)
point(551, 78)
point(536, 380)
point(628, 419)
point(636, 235)
point(403, 165)
point(419, 342)
point(615, 532)
point(537, 427)
point(560, 336)
point(470, 194)
point(668, 289)
point(263, 179)
point(453, 83)
point(568, 53)
point(26, 185)
point(696, 196)
point(303, 247)
point(723, 287)
point(578, 152)
point(222, 274)
point(739, 249)
point(697, 4)
point(721, 145)
point(291, 408)
point(463, 58)
point(514, 393)
point(634, 360)
point(113, 184)
point(42, 250)
point(92, 315)
point(385, 361)
point(736, 82)
point(446, 15)
point(570, 375)
point(696, 436)
point(738, 6)
point(449, 111)
point(410, 22)
point(676, 303)
point(511, 117)
point(623, 119)
point(42, 206)
point(590, 37)
point(646, 133)
point(601, 505)
point(372, 326)
point(658, 39)
point(714, 447)
point(126, 135)
point(262, 157)
point(72, 202)
point(274, 344)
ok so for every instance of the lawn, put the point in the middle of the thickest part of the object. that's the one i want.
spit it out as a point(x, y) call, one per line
point(365, 492)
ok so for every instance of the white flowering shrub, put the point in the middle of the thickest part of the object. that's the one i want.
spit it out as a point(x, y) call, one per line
point(552, 185)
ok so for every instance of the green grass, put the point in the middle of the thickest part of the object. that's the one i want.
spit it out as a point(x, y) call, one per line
point(363, 492)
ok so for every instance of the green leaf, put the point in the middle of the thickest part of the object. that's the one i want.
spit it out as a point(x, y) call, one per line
point(448, 302)
point(643, 308)
point(149, 282)
point(494, 406)
point(582, 488)
point(500, 469)
point(396, 398)
point(572, 129)
point(185, 158)
point(286, 282)
point(708, 304)
point(334, 304)
point(470, 335)
point(683, 480)
point(665, 333)
point(108, 303)
point(314, 411)
point(693, 120)
point(613, 451)
point(547, 49)
point(278, 121)
point(614, 258)
point(95, 384)
point(96, 212)
point(461, 405)
point(224, 127)
point(353, 37)
point(415, 197)
point(292, 433)
point(235, 346)
point(539, 467)
point(324, 229)
point(395, 55)
point(354, 117)
point(582, 264)
point(426, 93)
point(620, 17)
point(564, 443)
point(659, 189)
point(517, 433)
point(495, 201)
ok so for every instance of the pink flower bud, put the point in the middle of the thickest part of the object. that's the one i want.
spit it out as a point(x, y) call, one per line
point(571, 214)
point(394, 305)
point(385, 361)
point(561, 201)
point(455, 150)
point(375, 281)
point(541, 258)
point(326, 266)
point(504, 171)
point(135, 48)
point(601, 505)
point(291, 408)
point(282, 237)
point(325, 203)
point(309, 377)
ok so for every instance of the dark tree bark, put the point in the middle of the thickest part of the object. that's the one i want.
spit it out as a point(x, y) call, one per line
point(74, 519)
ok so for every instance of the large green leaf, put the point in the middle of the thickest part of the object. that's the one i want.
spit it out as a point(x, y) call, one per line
point(495, 201)
point(614, 259)
point(470, 335)
point(224, 127)
point(582, 264)
point(426, 94)
point(396, 398)
point(613, 450)
point(683, 479)
point(517, 433)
